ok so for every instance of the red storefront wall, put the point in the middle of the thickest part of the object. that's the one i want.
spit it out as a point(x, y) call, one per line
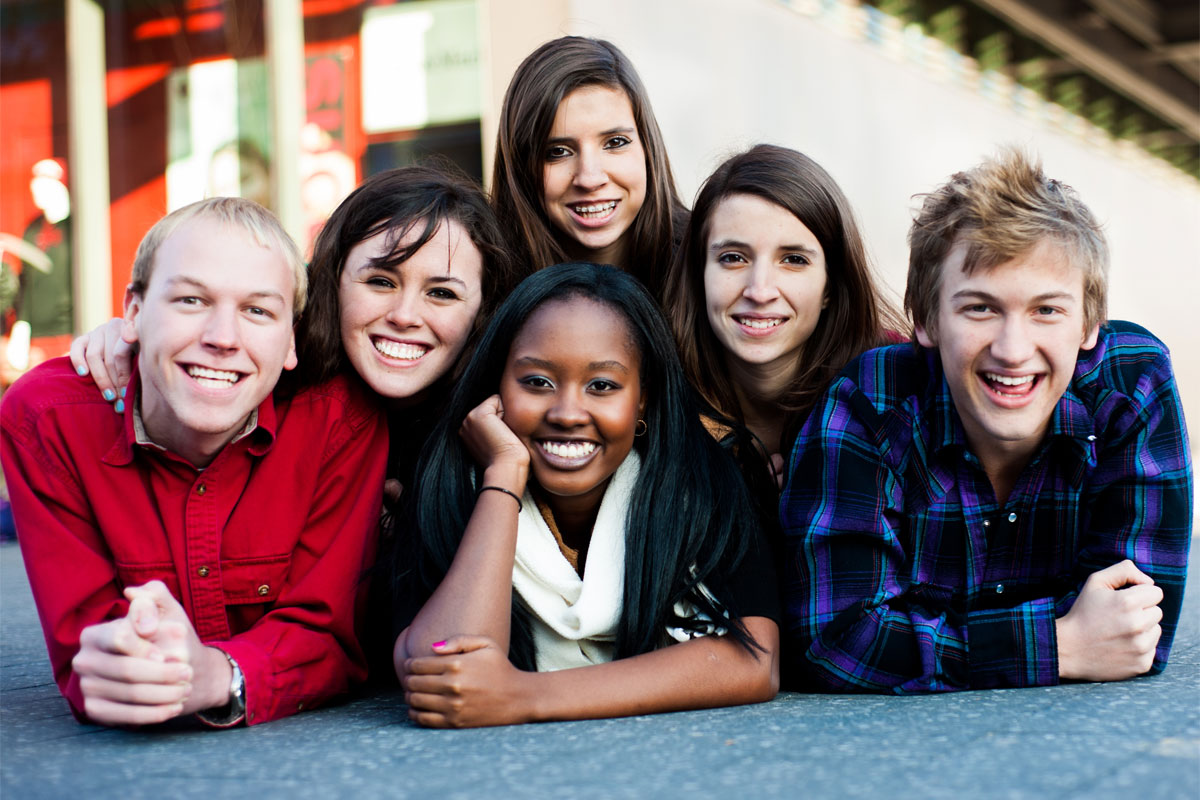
point(143, 46)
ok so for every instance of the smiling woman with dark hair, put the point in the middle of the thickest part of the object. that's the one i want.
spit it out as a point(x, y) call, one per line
point(772, 292)
point(581, 167)
point(573, 517)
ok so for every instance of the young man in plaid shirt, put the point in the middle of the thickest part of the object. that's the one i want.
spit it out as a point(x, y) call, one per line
point(1008, 503)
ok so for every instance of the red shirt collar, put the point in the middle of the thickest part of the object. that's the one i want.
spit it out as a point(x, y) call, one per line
point(258, 441)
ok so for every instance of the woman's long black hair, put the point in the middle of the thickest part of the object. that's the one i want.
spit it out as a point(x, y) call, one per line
point(690, 519)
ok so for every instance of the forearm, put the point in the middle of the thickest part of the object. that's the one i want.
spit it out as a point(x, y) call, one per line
point(1140, 496)
point(909, 644)
point(1161, 553)
point(475, 597)
point(69, 566)
point(707, 672)
point(304, 649)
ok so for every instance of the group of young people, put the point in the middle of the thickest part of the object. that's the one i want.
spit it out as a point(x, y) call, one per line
point(629, 458)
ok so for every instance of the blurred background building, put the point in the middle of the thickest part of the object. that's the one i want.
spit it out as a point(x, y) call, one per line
point(135, 107)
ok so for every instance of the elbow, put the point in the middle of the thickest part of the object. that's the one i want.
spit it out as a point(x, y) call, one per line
point(761, 680)
point(763, 663)
point(400, 653)
point(768, 661)
point(766, 683)
point(772, 687)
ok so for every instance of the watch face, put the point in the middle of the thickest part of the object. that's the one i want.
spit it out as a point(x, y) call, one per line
point(237, 686)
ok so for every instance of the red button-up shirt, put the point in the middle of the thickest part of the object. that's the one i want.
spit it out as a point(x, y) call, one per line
point(265, 548)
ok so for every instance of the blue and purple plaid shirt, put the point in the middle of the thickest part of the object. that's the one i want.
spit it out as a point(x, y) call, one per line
point(904, 574)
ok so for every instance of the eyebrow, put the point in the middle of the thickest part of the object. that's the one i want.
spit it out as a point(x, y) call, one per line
point(964, 294)
point(609, 132)
point(724, 243)
point(446, 279)
point(595, 366)
point(394, 269)
point(600, 366)
point(199, 284)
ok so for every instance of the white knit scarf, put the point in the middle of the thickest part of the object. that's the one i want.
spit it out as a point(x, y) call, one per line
point(574, 619)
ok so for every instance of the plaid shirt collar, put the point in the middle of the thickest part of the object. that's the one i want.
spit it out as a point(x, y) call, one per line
point(1072, 427)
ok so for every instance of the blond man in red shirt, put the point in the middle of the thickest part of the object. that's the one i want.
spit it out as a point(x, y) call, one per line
point(202, 551)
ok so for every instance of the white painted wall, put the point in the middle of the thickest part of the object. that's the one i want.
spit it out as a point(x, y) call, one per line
point(726, 74)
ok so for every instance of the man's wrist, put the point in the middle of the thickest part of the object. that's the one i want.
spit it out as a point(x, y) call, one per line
point(1063, 647)
point(229, 706)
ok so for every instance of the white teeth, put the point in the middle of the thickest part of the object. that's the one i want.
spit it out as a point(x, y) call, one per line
point(403, 351)
point(568, 450)
point(1008, 380)
point(212, 378)
point(750, 322)
point(597, 209)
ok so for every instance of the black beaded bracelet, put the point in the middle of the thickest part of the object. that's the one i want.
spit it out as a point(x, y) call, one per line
point(483, 489)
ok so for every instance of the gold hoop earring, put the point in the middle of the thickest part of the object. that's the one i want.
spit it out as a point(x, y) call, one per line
point(640, 428)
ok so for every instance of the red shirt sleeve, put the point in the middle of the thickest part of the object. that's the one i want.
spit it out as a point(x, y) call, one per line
point(70, 568)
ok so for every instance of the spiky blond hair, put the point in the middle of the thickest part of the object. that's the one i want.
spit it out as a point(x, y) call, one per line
point(1002, 209)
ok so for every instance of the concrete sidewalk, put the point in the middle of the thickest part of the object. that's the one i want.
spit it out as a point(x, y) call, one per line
point(1139, 738)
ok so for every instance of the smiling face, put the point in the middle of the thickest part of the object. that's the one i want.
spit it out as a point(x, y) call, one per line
point(764, 286)
point(404, 326)
point(594, 178)
point(572, 392)
point(215, 330)
point(1009, 338)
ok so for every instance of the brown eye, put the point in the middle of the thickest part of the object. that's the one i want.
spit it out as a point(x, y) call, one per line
point(537, 382)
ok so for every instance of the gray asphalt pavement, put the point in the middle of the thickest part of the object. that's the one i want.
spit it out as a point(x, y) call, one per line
point(1138, 738)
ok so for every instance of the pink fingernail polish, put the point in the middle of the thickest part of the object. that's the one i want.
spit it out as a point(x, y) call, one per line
point(438, 644)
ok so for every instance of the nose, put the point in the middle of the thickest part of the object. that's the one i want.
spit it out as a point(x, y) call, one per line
point(761, 286)
point(567, 410)
point(590, 174)
point(221, 330)
point(1013, 344)
point(404, 311)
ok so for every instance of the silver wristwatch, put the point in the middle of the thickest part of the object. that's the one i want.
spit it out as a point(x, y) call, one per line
point(234, 711)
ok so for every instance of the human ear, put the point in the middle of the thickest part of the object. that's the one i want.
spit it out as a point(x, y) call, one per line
point(1090, 337)
point(924, 336)
point(291, 361)
point(133, 307)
